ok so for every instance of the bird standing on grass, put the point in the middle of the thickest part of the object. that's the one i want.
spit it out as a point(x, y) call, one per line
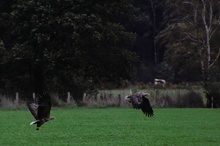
point(40, 109)
point(140, 101)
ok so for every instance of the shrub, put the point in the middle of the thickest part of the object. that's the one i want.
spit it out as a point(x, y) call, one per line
point(191, 99)
point(213, 94)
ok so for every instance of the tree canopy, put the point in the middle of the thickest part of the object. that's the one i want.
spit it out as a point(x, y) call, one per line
point(74, 45)
point(67, 44)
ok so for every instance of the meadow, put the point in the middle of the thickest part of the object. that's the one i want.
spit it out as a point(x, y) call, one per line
point(113, 127)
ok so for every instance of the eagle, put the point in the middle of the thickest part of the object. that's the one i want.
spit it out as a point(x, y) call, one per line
point(40, 109)
point(140, 101)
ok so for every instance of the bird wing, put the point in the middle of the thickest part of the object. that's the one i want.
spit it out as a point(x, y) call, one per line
point(44, 105)
point(135, 103)
point(146, 107)
point(33, 107)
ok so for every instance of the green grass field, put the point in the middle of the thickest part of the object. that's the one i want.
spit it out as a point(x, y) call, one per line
point(113, 127)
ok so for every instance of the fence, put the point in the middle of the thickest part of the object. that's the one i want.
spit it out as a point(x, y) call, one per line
point(115, 98)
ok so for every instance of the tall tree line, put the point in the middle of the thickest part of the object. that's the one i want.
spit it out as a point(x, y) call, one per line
point(76, 44)
point(65, 45)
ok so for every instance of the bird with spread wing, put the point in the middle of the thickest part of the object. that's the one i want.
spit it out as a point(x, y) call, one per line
point(140, 101)
point(40, 109)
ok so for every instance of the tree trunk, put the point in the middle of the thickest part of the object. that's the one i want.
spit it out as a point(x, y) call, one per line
point(154, 31)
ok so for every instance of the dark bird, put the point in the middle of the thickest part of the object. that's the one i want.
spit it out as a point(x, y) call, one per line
point(40, 109)
point(140, 101)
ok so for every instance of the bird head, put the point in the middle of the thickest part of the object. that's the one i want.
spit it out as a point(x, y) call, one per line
point(127, 97)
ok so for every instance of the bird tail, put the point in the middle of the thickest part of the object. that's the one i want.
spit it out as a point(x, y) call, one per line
point(34, 122)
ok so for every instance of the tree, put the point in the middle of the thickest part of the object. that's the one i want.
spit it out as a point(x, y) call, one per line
point(148, 23)
point(210, 21)
point(193, 32)
point(71, 45)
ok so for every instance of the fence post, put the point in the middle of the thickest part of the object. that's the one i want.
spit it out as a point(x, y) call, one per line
point(212, 102)
point(16, 98)
point(34, 96)
point(119, 100)
point(68, 97)
point(130, 92)
point(84, 95)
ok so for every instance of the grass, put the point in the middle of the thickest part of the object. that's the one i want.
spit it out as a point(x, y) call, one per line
point(113, 127)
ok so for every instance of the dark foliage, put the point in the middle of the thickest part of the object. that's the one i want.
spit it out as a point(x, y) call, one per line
point(65, 46)
point(77, 45)
point(191, 100)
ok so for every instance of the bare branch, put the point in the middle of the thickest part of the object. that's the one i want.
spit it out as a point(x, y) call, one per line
point(216, 27)
point(214, 30)
point(210, 15)
point(204, 16)
point(216, 58)
point(194, 38)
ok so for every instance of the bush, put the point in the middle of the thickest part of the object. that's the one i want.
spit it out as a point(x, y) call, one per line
point(191, 99)
point(213, 94)
point(176, 98)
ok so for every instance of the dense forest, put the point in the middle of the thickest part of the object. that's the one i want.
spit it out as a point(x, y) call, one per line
point(77, 45)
